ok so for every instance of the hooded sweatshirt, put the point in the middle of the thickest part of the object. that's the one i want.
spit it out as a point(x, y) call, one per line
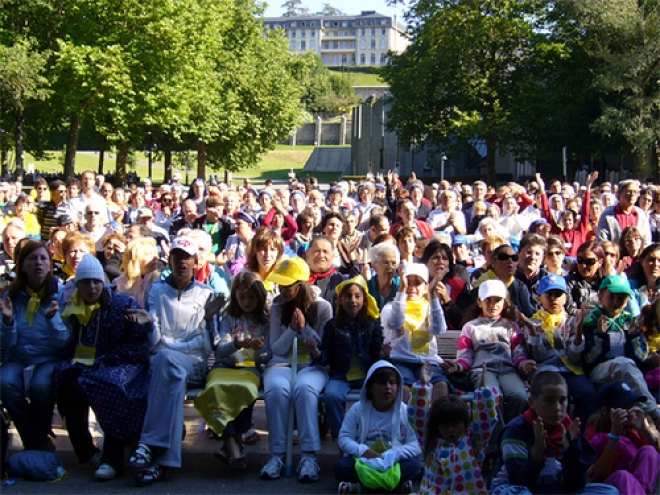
point(366, 428)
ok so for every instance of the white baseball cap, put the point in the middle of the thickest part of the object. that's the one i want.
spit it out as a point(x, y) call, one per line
point(492, 288)
point(185, 244)
point(418, 269)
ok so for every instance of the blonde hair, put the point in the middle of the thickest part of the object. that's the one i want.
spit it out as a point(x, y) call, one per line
point(479, 208)
point(134, 253)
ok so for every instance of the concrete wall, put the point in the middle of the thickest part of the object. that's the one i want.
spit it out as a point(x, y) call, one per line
point(332, 134)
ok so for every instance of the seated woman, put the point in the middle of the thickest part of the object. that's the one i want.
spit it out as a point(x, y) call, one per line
point(35, 339)
point(263, 256)
point(296, 312)
point(74, 247)
point(109, 371)
point(454, 290)
point(139, 269)
point(233, 386)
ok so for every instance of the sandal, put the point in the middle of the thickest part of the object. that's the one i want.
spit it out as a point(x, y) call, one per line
point(153, 474)
point(236, 462)
point(141, 459)
point(252, 437)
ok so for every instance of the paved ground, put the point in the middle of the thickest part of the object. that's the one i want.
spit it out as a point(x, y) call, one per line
point(201, 472)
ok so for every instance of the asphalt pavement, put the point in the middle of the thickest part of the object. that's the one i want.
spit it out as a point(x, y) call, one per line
point(201, 472)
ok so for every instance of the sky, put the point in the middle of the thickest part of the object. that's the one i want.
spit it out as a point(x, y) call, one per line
point(350, 7)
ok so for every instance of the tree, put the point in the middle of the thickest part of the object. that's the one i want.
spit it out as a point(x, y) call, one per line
point(623, 39)
point(329, 10)
point(22, 79)
point(294, 8)
point(468, 72)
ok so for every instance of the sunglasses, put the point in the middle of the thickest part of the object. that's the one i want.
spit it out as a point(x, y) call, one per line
point(556, 253)
point(587, 261)
point(507, 257)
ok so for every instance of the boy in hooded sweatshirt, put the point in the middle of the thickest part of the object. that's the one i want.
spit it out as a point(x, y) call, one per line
point(377, 427)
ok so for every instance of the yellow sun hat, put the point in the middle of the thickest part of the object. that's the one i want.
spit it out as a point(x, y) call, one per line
point(372, 306)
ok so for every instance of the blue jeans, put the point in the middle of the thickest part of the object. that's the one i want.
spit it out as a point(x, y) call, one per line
point(32, 419)
point(589, 489)
point(334, 400)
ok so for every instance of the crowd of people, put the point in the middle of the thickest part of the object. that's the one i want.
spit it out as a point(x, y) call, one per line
point(120, 299)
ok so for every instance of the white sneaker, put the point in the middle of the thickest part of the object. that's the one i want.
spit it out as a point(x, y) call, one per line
point(308, 470)
point(272, 469)
point(105, 472)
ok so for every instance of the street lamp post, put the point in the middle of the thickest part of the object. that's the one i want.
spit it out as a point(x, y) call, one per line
point(151, 148)
point(443, 160)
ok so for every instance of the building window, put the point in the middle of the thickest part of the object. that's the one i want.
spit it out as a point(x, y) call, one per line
point(344, 59)
point(363, 32)
point(383, 44)
point(302, 23)
point(312, 34)
point(345, 33)
point(372, 44)
point(383, 32)
point(312, 45)
point(383, 58)
point(344, 24)
point(293, 45)
point(363, 59)
point(363, 44)
point(326, 60)
point(292, 33)
point(302, 33)
point(335, 45)
point(303, 45)
point(383, 22)
point(293, 24)
point(312, 24)
point(373, 31)
point(373, 59)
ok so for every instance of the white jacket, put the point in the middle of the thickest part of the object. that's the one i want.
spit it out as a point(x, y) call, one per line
point(362, 416)
point(178, 318)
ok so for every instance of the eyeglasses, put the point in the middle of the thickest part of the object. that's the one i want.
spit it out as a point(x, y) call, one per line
point(97, 213)
point(587, 261)
point(611, 255)
point(388, 263)
point(556, 253)
point(507, 257)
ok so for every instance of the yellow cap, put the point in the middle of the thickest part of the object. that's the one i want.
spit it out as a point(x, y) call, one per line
point(372, 306)
point(289, 272)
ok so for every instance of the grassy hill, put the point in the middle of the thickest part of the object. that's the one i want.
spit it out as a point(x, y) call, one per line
point(360, 76)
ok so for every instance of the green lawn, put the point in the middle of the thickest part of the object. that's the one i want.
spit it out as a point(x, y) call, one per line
point(360, 76)
point(274, 165)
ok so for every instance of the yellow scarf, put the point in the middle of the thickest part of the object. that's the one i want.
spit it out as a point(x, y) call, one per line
point(78, 307)
point(490, 275)
point(70, 272)
point(417, 326)
point(33, 304)
point(549, 323)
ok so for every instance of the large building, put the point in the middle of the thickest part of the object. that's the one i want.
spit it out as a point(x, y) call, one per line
point(357, 40)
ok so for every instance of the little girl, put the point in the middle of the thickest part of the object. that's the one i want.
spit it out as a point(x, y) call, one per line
point(412, 323)
point(233, 386)
point(496, 341)
point(625, 440)
point(352, 342)
point(451, 438)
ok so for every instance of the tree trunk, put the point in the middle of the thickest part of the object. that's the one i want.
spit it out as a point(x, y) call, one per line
point(104, 145)
point(75, 123)
point(201, 159)
point(20, 120)
point(122, 158)
point(4, 157)
point(167, 151)
point(640, 164)
point(491, 169)
point(657, 159)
